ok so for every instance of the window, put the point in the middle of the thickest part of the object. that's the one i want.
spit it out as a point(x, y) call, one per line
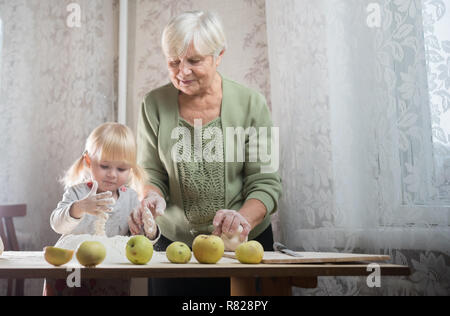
point(422, 91)
point(437, 49)
point(414, 56)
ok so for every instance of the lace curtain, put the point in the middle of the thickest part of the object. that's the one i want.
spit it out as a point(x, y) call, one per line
point(361, 164)
point(57, 84)
point(436, 21)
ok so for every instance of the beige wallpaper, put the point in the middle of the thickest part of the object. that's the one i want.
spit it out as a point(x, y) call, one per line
point(245, 61)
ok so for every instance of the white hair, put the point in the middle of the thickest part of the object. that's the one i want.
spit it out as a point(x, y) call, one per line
point(202, 28)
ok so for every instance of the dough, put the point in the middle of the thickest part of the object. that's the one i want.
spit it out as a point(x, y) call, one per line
point(1, 245)
point(232, 241)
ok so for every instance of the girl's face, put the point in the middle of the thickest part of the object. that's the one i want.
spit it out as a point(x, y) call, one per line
point(110, 175)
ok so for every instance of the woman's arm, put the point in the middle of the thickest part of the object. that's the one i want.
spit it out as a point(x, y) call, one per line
point(149, 188)
point(262, 182)
point(148, 154)
point(254, 212)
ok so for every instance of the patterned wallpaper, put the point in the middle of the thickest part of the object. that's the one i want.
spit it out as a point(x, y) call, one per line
point(57, 85)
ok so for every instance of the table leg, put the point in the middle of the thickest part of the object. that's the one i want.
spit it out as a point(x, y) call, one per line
point(269, 286)
point(260, 286)
point(304, 282)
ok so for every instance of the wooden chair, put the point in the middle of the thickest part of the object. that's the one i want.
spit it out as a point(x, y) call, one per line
point(7, 212)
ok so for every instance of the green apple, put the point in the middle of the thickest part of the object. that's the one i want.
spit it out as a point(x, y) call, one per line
point(139, 250)
point(91, 253)
point(178, 252)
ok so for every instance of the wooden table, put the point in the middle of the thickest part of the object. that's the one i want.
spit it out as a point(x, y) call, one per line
point(255, 280)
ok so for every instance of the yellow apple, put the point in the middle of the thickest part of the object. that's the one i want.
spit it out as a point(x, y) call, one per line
point(208, 248)
point(91, 253)
point(250, 252)
point(57, 256)
point(178, 252)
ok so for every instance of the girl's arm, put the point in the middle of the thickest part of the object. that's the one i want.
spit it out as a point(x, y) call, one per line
point(61, 220)
point(76, 202)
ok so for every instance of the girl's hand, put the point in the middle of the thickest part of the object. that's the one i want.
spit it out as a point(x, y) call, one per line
point(228, 222)
point(141, 221)
point(93, 204)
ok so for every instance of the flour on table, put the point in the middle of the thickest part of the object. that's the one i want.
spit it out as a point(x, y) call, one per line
point(115, 246)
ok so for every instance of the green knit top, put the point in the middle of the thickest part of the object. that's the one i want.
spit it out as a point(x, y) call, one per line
point(194, 191)
point(202, 183)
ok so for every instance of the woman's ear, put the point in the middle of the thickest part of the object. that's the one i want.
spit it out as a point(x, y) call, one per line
point(219, 58)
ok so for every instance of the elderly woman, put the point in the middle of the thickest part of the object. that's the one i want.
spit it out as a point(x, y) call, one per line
point(207, 190)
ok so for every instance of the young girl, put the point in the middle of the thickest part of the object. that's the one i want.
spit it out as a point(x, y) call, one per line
point(101, 198)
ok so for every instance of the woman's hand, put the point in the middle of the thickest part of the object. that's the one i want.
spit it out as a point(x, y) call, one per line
point(249, 216)
point(93, 204)
point(142, 222)
point(228, 222)
point(155, 203)
point(142, 218)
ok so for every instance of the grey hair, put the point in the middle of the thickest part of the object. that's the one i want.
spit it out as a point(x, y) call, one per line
point(202, 28)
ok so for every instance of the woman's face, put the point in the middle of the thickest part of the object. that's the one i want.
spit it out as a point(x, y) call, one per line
point(193, 74)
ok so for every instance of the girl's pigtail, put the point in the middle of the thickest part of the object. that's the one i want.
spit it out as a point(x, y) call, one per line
point(138, 181)
point(75, 174)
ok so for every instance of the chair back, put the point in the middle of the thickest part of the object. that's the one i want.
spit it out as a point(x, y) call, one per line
point(9, 237)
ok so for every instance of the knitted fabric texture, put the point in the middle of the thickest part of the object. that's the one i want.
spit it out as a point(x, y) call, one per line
point(203, 182)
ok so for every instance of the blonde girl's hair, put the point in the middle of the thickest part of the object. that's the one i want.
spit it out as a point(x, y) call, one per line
point(110, 142)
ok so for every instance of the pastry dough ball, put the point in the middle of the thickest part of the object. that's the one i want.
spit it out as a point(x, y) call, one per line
point(232, 241)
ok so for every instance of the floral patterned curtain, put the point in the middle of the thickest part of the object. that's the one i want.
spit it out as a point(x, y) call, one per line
point(361, 164)
point(436, 21)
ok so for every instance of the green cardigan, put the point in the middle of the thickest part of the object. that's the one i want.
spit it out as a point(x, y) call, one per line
point(241, 107)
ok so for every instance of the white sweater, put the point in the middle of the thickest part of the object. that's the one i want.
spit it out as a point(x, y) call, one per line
point(117, 224)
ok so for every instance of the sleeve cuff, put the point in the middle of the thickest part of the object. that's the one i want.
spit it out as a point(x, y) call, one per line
point(158, 235)
point(161, 188)
point(69, 218)
point(70, 223)
point(265, 198)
